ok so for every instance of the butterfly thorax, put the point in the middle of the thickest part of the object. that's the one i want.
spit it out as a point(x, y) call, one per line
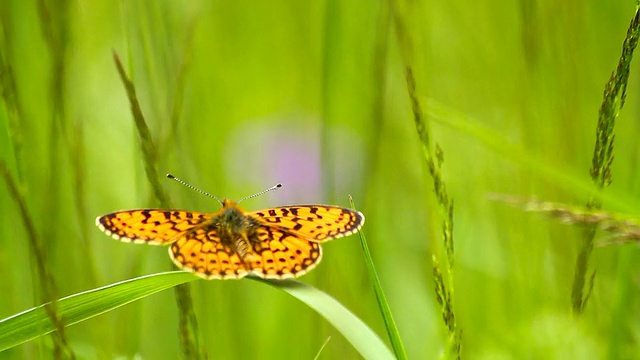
point(236, 230)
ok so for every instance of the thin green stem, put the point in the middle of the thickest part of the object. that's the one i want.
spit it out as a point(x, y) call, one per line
point(433, 157)
point(188, 322)
point(47, 281)
point(383, 304)
point(613, 100)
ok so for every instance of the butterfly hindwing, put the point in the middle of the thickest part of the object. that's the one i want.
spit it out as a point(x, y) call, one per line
point(200, 250)
point(282, 254)
point(274, 254)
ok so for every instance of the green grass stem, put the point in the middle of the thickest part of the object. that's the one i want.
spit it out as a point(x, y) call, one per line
point(613, 100)
point(381, 299)
point(188, 322)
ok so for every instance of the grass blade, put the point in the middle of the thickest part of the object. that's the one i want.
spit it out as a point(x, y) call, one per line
point(354, 330)
point(383, 305)
point(73, 309)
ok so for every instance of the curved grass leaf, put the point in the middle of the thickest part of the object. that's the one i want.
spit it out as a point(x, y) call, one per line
point(352, 328)
point(73, 309)
point(383, 304)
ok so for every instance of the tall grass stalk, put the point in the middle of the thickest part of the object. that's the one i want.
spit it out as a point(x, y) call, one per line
point(433, 157)
point(613, 100)
point(188, 322)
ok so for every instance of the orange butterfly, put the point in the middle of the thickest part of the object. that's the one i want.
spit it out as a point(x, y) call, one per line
point(275, 243)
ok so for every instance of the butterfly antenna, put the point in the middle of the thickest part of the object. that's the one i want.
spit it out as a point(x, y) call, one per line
point(193, 187)
point(274, 187)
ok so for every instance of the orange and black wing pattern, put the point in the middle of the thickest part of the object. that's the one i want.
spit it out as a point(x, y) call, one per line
point(150, 226)
point(278, 243)
point(313, 222)
point(275, 254)
point(200, 251)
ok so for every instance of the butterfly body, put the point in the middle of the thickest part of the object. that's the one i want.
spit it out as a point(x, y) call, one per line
point(275, 243)
point(236, 230)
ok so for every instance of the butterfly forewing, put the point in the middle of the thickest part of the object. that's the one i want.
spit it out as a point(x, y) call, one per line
point(313, 222)
point(152, 226)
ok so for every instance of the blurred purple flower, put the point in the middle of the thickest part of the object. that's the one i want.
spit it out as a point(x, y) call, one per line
point(261, 154)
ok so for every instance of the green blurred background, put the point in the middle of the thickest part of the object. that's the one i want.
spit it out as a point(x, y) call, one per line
point(242, 95)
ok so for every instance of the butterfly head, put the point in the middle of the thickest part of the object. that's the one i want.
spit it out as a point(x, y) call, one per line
point(228, 204)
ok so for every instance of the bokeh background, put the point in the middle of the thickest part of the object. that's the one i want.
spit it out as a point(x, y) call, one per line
point(242, 95)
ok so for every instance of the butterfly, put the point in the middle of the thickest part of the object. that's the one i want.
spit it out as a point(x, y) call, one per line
point(276, 243)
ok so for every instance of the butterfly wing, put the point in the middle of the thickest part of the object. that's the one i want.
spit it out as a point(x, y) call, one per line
point(313, 222)
point(276, 254)
point(280, 254)
point(200, 251)
point(150, 226)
